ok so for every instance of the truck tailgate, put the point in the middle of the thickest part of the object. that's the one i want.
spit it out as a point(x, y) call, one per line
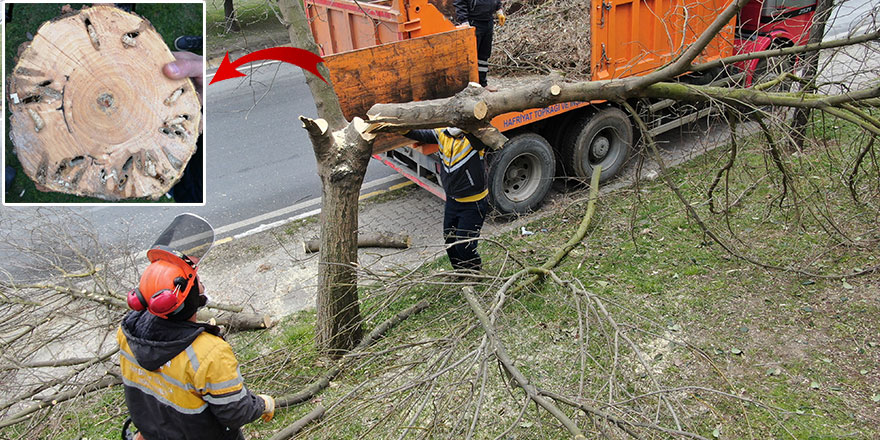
point(633, 37)
point(434, 66)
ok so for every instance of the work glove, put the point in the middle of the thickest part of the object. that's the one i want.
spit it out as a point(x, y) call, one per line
point(269, 410)
point(499, 14)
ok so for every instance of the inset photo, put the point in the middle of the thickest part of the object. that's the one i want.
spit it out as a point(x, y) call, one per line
point(103, 103)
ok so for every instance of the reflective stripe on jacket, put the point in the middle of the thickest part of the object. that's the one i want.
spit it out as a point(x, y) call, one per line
point(196, 393)
point(463, 167)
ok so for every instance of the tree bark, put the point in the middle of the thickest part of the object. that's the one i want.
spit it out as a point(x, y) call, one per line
point(229, 13)
point(342, 173)
point(342, 151)
point(92, 113)
point(380, 240)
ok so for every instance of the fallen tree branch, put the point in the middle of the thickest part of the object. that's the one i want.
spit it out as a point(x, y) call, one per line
point(297, 426)
point(69, 362)
point(709, 232)
point(622, 424)
point(520, 379)
point(315, 387)
point(45, 402)
point(59, 380)
point(724, 171)
point(574, 240)
point(851, 179)
point(226, 307)
point(378, 239)
point(236, 321)
point(791, 50)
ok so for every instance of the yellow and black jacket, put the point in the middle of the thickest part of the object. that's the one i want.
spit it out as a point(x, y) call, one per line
point(182, 381)
point(463, 168)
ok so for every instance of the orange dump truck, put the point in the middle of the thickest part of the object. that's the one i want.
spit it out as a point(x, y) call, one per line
point(405, 50)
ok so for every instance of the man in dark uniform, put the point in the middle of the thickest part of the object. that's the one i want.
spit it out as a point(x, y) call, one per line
point(479, 14)
point(464, 175)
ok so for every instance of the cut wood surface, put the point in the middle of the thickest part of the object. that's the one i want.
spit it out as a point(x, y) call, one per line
point(92, 112)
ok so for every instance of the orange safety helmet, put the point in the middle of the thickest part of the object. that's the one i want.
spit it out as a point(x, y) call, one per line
point(165, 284)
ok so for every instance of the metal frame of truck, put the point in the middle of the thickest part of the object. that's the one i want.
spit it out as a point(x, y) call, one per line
point(627, 38)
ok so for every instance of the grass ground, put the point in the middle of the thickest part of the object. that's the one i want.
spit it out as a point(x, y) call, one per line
point(170, 20)
point(802, 349)
point(259, 27)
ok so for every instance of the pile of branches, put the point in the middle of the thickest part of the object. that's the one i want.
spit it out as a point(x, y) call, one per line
point(62, 297)
point(542, 36)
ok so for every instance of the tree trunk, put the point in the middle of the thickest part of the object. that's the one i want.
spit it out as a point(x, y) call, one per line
point(342, 152)
point(92, 113)
point(811, 67)
point(338, 314)
point(229, 12)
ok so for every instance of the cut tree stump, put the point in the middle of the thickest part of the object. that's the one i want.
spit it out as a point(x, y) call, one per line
point(92, 112)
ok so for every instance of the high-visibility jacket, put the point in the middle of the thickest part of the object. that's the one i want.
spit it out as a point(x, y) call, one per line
point(463, 171)
point(182, 381)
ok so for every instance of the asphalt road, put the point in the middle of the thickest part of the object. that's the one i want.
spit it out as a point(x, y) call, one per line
point(852, 15)
point(260, 166)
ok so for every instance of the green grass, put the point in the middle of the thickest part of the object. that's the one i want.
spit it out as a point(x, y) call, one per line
point(170, 20)
point(257, 22)
point(766, 335)
point(656, 271)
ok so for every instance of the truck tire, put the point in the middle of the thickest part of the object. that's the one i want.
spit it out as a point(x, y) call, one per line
point(604, 138)
point(521, 173)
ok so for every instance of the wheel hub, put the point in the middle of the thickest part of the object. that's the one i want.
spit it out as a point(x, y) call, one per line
point(600, 147)
point(521, 177)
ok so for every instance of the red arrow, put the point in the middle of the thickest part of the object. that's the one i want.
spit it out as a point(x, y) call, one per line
point(292, 55)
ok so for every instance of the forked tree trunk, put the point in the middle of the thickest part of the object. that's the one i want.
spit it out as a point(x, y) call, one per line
point(342, 173)
point(342, 153)
point(92, 112)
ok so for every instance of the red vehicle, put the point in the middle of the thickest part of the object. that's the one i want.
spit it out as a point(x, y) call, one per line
point(772, 24)
point(405, 50)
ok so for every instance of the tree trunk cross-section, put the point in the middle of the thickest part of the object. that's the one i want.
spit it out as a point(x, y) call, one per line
point(92, 112)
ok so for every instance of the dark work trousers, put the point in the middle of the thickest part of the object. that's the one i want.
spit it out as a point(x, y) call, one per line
point(462, 222)
point(484, 47)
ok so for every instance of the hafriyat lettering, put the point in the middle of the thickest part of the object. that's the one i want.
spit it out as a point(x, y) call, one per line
point(540, 113)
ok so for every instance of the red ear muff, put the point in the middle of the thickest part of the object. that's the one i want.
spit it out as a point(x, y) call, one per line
point(164, 302)
point(135, 300)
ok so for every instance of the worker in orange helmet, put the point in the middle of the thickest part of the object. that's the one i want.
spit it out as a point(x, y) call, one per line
point(181, 378)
